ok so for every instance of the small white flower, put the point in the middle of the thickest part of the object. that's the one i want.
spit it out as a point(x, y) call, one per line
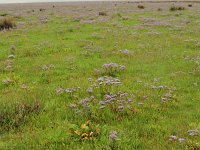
point(192, 132)
point(59, 91)
point(195, 84)
point(181, 140)
point(24, 87)
point(172, 138)
point(160, 87)
point(6, 82)
point(153, 87)
point(90, 90)
point(140, 103)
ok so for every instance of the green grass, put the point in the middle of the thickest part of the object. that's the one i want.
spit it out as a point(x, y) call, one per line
point(76, 51)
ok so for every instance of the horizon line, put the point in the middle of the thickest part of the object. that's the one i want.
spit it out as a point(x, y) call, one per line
point(134, 1)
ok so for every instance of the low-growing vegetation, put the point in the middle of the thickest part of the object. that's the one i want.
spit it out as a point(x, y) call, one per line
point(3, 14)
point(189, 5)
point(175, 8)
point(18, 115)
point(7, 23)
point(102, 13)
point(141, 6)
point(100, 75)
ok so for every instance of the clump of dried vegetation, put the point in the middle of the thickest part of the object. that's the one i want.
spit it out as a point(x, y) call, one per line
point(14, 119)
point(140, 6)
point(175, 8)
point(7, 23)
point(102, 13)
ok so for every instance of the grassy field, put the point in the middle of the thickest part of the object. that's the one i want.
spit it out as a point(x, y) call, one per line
point(111, 76)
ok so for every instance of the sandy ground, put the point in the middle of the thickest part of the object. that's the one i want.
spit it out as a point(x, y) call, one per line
point(89, 9)
point(150, 3)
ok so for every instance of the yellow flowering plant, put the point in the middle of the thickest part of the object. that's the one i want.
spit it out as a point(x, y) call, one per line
point(86, 131)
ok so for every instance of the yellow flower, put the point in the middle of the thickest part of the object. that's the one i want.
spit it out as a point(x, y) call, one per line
point(77, 132)
point(91, 133)
point(91, 138)
point(85, 138)
point(97, 130)
point(84, 135)
point(83, 126)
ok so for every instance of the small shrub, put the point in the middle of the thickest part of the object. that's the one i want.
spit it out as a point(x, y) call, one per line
point(18, 117)
point(181, 8)
point(159, 9)
point(102, 13)
point(140, 6)
point(4, 14)
point(189, 5)
point(7, 23)
point(175, 8)
point(112, 69)
point(42, 9)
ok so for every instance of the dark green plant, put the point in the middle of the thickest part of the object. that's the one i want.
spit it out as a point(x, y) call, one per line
point(175, 8)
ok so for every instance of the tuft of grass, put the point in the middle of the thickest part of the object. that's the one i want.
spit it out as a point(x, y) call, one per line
point(141, 6)
point(14, 119)
point(175, 8)
point(4, 14)
point(102, 13)
point(42, 9)
point(7, 23)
